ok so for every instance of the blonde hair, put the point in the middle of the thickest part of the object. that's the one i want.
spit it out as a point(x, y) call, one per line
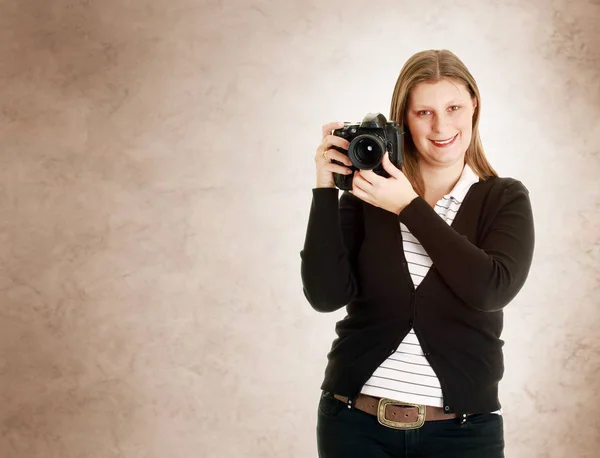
point(431, 66)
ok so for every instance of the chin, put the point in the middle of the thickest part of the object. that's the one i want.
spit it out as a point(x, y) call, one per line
point(444, 157)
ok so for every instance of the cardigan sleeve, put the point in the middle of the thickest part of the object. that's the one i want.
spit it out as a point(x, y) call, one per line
point(333, 239)
point(485, 277)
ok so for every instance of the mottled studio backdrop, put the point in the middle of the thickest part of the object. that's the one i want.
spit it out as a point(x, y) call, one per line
point(156, 166)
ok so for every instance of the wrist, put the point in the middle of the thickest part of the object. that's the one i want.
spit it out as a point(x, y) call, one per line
point(399, 210)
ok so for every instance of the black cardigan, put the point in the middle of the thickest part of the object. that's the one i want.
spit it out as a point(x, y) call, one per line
point(353, 257)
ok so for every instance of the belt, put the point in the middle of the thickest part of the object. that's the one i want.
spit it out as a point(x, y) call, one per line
point(396, 414)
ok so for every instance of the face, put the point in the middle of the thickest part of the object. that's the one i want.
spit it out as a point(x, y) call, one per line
point(440, 117)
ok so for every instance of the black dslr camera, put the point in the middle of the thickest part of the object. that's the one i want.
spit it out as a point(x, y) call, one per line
point(369, 140)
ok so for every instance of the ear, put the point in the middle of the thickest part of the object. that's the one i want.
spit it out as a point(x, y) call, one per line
point(474, 100)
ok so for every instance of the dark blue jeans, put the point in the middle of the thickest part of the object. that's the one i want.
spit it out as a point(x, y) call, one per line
point(347, 433)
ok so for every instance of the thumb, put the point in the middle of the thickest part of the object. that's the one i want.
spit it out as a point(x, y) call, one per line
point(389, 167)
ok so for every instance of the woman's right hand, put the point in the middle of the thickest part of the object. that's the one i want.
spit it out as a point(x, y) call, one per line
point(326, 168)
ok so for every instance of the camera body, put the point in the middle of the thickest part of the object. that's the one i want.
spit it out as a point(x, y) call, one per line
point(369, 141)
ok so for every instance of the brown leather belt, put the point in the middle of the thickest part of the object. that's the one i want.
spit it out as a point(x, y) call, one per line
point(396, 414)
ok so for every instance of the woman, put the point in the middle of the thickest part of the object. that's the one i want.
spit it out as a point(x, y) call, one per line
point(424, 261)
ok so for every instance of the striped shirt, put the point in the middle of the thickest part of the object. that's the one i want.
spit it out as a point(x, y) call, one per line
point(406, 375)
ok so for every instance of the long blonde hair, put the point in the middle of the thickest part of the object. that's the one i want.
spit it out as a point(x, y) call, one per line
point(431, 66)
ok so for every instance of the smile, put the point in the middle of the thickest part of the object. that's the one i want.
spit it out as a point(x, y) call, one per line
point(443, 143)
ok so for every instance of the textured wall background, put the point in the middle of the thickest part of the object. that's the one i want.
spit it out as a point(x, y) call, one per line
point(156, 169)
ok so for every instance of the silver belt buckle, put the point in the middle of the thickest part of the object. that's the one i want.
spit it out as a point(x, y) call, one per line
point(384, 402)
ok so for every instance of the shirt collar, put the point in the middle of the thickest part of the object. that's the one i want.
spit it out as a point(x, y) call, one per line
point(466, 180)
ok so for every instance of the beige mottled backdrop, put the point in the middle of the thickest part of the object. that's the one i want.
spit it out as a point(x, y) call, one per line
point(156, 166)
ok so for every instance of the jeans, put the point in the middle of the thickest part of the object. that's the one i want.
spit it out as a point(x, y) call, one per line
point(348, 433)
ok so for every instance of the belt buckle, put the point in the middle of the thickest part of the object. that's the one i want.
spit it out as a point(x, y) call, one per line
point(384, 402)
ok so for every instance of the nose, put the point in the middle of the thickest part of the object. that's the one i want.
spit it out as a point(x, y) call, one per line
point(439, 122)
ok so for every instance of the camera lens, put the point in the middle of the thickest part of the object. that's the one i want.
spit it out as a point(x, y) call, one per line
point(366, 151)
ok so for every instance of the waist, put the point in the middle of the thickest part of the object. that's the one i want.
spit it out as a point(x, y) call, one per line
point(398, 414)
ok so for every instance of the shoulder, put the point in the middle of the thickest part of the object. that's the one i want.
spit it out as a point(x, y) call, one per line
point(491, 195)
point(502, 186)
point(500, 199)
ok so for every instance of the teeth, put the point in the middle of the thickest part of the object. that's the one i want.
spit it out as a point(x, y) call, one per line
point(445, 142)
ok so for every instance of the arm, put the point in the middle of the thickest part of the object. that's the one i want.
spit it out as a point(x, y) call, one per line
point(487, 277)
point(333, 239)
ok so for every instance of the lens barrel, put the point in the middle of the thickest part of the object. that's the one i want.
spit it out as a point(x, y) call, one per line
point(366, 151)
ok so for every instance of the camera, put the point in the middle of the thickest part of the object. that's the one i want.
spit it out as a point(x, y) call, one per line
point(369, 141)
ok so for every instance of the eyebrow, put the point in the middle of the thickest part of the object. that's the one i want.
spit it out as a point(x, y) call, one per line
point(421, 107)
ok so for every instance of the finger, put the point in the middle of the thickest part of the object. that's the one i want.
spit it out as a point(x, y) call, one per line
point(361, 186)
point(334, 140)
point(336, 155)
point(371, 177)
point(336, 168)
point(389, 167)
point(361, 182)
point(359, 192)
point(327, 128)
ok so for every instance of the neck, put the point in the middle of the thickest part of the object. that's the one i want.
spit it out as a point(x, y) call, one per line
point(439, 181)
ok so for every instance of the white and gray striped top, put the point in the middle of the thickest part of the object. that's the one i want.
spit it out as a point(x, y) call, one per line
point(406, 374)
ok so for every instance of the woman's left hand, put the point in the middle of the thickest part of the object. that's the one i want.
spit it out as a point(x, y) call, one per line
point(391, 194)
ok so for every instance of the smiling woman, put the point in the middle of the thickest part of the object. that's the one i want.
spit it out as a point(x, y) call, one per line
point(436, 99)
point(440, 121)
point(424, 260)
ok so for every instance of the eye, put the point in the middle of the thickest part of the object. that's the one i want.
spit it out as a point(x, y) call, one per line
point(423, 112)
point(454, 107)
